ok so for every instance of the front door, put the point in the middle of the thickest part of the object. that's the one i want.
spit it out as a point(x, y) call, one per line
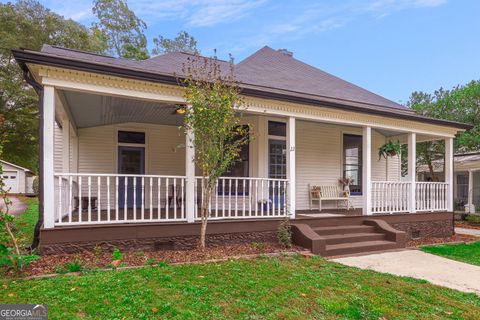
point(277, 159)
point(131, 160)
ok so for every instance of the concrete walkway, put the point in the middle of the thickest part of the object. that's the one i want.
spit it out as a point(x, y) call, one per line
point(469, 232)
point(17, 207)
point(417, 264)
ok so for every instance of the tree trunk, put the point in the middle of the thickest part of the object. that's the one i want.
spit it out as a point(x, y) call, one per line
point(206, 192)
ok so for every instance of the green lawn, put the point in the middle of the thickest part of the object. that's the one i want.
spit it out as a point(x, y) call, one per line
point(469, 252)
point(265, 288)
point(25, 223)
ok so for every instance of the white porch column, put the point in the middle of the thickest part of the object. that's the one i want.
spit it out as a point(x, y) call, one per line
point(190, 174)
point(291, 165)
point(412, 174)
point(449, 172)
point(367, 170)
point(470, 191)
point(48, 156)
point(65, 144)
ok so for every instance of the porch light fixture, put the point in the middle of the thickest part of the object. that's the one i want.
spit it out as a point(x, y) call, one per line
point(180, 110)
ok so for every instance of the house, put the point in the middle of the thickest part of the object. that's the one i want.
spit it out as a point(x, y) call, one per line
point(117, 170)
point(466, 180)
point(17, 180)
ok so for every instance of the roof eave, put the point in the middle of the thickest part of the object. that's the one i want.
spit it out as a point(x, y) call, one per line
point(23, 57)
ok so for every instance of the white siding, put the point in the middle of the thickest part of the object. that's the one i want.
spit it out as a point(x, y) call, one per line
point(319, 159)
point(164, 153)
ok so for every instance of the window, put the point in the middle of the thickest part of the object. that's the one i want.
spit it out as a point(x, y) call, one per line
point(238, 169)
point(352, 161)
point(131, 137)
point(276, 128)
point(462, 186)
point(241, 166)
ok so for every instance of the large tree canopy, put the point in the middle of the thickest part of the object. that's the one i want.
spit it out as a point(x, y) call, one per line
point(461, 104)
point(28, 24)
point(122, 29)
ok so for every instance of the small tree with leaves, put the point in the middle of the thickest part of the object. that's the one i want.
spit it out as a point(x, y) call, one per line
point(213, 116)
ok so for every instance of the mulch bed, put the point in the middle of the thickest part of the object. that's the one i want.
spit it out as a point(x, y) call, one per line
point(89, 260)
point(456, 238)
point(467, 225)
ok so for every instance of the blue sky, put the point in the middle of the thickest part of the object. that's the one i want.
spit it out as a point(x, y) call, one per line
point(389, 47)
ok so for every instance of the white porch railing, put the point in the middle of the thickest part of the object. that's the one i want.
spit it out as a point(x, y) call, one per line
point(431, 196)
point(114, 198)
point(390, 197)
point(394, 196)
point(239, 198)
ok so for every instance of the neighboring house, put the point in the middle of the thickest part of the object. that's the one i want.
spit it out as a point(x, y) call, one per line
point(17, 180)
point(466, 186)
point(116, 167)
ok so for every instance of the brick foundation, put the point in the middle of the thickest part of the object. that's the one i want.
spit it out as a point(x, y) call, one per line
point(425, 229)
point(154, 244)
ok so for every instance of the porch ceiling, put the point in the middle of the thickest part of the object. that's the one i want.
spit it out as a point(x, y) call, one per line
point(91, 110)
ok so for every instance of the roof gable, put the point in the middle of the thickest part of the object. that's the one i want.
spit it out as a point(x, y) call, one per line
point(274, 69)
point(16, 166)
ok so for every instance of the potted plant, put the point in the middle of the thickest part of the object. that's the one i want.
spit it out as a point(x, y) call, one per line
point(389, 149)
point(346, 183)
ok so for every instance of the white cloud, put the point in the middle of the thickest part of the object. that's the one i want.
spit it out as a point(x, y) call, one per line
point(211, 13)
point(386, 7)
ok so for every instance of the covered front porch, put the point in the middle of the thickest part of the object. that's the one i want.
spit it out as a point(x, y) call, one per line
point(113, 159)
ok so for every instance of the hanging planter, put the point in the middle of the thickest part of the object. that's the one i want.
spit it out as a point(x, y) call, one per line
point(389, 149)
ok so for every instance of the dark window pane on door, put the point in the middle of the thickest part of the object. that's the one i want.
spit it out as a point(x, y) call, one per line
point(277, 163)
point(131, 161)
point(131, 137)
point(352, 161)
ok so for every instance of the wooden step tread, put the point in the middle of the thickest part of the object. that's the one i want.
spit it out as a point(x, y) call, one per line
point(358, 247)
point(344, 229)
point(362, 244)
point(353, 237)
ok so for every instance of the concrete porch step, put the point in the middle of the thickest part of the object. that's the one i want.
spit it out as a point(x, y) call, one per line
point(359, 247)
point(353, 237)
point(348, 229)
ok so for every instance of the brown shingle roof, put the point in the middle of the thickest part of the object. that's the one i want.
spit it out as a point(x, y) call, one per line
point(274, 69)
point(267, 73)
point(267, 68)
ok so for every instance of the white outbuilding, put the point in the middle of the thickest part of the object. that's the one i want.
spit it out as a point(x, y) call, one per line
point(18, 180)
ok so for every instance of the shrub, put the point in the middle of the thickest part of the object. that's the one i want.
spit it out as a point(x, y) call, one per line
point(117, 255)
point(284, 234)
point(35, 185)
point(10, 260)
point(74, 266)
point(473, 218)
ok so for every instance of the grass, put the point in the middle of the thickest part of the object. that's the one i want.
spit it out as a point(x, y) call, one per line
point(464, 252)
point(25, 223)
point(265, 288)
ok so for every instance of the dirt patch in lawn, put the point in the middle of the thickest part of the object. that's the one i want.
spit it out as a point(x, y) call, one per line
point(456, 238)
point(98, 259)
